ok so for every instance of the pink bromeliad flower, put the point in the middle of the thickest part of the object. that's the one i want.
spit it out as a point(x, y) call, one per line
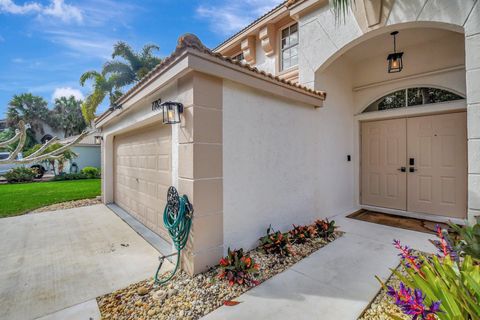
point(411, 260)
point(443, 245)
point(412, 304)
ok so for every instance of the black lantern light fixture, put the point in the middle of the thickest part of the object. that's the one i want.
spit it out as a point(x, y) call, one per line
point(98, 139)
point(395, 62)
point(171, 112)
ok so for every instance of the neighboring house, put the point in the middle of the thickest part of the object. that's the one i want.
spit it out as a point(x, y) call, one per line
point(88, 151)
point(308, 124)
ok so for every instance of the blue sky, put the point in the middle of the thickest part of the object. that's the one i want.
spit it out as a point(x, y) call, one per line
point(46, 45)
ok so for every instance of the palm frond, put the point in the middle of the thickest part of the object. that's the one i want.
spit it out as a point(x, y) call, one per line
point(341, 7)
point(148, 48)
point(123, 50)
point(89, 75)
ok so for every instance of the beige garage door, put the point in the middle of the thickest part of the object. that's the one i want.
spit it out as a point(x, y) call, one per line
point(142, 174)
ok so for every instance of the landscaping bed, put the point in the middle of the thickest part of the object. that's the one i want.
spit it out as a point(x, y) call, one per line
point(68, 205)
point(383, 305)
point(186, 297)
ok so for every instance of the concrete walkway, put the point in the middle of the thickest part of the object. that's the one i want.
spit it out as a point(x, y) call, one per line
point(337, 282)
point(55, 264)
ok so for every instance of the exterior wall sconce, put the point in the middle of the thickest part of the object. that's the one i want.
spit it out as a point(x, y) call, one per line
point(98, 139)
point(395, 62)
point(171, 112)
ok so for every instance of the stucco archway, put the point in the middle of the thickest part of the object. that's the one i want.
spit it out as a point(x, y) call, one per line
point(324, 42)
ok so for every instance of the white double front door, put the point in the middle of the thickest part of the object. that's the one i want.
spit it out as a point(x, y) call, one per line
point(416, 164)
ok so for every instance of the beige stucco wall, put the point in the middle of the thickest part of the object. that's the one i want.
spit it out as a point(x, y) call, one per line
point(200, 171)
point(283, 163)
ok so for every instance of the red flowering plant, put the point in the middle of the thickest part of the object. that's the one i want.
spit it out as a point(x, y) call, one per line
point(325, 228)
point(442, 286)
point(276, 242)
point(300, 234)
point(238, 268)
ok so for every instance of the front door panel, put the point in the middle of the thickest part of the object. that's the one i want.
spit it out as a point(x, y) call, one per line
point(383, 156)
point(438, 146)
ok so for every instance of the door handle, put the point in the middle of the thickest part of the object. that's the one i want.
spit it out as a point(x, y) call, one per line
point(402, 169)
point(412, 169)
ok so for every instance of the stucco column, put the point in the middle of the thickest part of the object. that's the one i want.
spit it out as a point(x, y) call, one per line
point(472, 66)
point(200, 168)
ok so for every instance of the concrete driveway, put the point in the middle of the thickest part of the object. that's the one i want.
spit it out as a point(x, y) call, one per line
point(54, 260)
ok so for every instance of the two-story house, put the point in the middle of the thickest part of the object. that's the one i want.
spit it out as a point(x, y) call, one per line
point(305, 114)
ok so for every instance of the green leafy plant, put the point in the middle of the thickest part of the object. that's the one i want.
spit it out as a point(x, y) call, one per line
point(455, 285)
point(70, 176)
point(300, 234)
point(238, 268)
point(276, 242)
point(91, 172)
point(325, 228)
point(20, 174)
point(445, 286)
point(468, 240)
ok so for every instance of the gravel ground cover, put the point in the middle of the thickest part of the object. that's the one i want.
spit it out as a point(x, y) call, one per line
point(68, 205)
point(383, 305)
point(191, 298)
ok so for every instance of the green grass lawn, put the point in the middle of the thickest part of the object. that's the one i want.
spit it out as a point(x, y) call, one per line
point(20, 198)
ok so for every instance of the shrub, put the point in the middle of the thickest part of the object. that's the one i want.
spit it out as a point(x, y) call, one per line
point(468, 240)
point(325, 228)
point(238, 268)
point(275, 242)
point(300, 234)
point(445, 286)
point(20, 174)
point(91, 172)
point(70, 176)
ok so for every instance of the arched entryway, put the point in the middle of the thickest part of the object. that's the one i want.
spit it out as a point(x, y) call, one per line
point(386, 138)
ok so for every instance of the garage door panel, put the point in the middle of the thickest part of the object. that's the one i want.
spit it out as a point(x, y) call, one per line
point(143, 174)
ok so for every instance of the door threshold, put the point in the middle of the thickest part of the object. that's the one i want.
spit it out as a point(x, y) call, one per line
point(416, 215)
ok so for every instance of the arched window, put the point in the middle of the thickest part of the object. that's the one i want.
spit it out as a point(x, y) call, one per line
point(411, 97)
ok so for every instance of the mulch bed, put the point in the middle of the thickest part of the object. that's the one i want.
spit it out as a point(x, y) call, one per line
point(186, 297)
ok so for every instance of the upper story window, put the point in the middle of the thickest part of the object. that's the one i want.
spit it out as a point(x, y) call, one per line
point(412, 97)
point(239, 57)
point(289, 47)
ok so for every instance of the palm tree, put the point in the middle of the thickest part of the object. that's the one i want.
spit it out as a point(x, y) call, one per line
point(135, 65)
point(67, 116)
point(32, 110)
point(103, 85)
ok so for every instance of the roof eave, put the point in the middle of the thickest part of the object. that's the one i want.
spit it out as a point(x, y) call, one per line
point(252, 27)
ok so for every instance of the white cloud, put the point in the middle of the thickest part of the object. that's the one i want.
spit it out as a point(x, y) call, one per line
point(65, 12)
point(231, 16)
point(9, 6)
point(67, 92)
point(83, 43)
point(56, 9)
